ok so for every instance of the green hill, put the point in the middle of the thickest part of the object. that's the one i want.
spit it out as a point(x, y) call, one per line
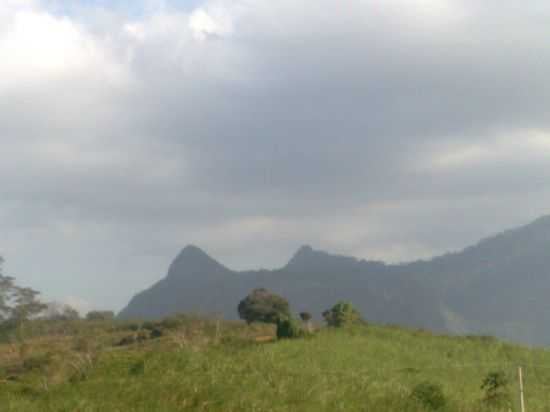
point(208, 365)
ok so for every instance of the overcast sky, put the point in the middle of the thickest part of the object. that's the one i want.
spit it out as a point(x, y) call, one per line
point(383, 129)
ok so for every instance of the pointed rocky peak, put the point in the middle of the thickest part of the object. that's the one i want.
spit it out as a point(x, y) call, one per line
point(304, 252)
point(304, 256)
point(193, 260)
point(193, 253)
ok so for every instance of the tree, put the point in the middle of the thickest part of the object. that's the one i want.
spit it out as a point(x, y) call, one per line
point(342, 314)
point(263, 306)
point(17, 304)
point(100, 315)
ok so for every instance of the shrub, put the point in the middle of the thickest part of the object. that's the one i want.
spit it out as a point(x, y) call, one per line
point(342, 314)
point(429, 395)
point(137, 368)
point(495, 386)
point(263, 306)
point(100, 315)
point(156, 333)
point(134, 327)
point(127, 340)
point(149, 325)
point(289, 328)
point(36, 363)
point(142, 336)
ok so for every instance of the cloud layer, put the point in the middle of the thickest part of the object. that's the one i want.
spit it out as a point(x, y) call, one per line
point(388, 130)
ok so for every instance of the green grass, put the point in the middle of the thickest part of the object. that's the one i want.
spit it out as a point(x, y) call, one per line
point(199, 368)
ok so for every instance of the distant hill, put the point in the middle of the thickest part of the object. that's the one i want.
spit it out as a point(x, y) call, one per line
point(498, 286)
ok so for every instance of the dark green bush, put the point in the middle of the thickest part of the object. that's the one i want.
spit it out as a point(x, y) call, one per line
point(127, 340)
point(496, 390)
point(288, 328)
point(429, 395)
point(156, 333)
point(342, 314)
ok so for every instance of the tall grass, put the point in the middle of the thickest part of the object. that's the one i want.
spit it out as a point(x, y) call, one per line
point(202, 366)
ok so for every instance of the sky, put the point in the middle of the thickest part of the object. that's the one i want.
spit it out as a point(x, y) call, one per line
point(388, 130)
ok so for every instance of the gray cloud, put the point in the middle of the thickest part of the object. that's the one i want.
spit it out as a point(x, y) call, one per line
point(388, 131)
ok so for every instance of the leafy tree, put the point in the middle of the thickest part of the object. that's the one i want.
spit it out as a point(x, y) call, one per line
point(342, 314)
point(100, 315)
point(17, 304)
point(263, 306)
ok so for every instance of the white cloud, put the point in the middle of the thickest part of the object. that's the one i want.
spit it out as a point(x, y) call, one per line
point(81, 305)
point(522, 146)
point(214, 21)
point(38, 47)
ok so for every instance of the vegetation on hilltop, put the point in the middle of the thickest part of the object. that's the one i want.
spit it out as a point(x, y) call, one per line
point(211, 365)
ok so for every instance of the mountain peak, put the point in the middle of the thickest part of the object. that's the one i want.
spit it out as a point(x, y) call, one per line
point(305, 250)
point(303, 256)
point(193, 257)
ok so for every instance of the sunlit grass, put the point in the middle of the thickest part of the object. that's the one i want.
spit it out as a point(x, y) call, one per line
point(363, 369)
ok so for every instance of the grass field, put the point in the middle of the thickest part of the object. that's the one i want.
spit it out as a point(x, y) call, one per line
point(205, 365)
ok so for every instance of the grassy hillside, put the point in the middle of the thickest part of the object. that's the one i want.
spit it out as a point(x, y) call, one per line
point(205, 365)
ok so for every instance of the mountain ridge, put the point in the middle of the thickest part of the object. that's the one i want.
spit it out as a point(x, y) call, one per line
point(479, 289)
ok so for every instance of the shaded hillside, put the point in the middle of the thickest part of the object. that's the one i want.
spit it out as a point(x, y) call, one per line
point(498, 286)
point(311, 281)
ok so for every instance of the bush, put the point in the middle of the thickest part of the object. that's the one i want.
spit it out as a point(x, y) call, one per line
point(429, 395)
point(156, 333)
point(495, 385)
point(142, 336)
point(149, 325)
point(289, 328)
point(137, 368)
point(127, 340)
point(100, 315)
point(263, 306)
point(36, 363)
point(342, 314)
point(171, 323)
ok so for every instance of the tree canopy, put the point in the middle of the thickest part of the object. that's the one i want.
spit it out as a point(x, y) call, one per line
point(263, 306)
point(17, 303)
point(342, 314)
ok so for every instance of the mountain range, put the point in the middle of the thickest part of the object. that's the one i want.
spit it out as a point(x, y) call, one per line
point(499, 287)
